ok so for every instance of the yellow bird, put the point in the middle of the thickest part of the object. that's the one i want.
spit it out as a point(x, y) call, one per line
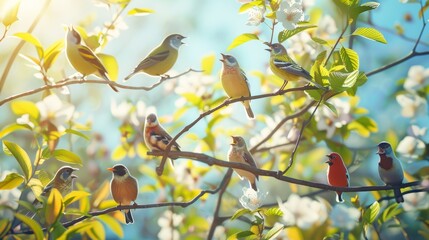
point(82, 58)
point(285, 68)
point(234, 81)
point(162, 58)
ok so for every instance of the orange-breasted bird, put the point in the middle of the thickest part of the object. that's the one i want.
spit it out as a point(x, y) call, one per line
point(284, 67)
point(234, 81)
point(337, 174)
point(124, 189)
point(390, 169)
point(238, 153)
point(155, 137)
point(162, 58)
point(82, 58)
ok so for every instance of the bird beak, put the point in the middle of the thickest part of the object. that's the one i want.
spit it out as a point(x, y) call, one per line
point(329, 161)
point(75, 169)
point(380, 151)
point(182, 39)
point(269, 45)
point(234, 140)
point(111, 169)
point(73, 176)
point(223, 57)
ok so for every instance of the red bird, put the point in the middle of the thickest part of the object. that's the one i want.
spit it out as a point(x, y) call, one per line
point(337, 174)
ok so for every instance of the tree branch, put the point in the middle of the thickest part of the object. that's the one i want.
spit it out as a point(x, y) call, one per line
point(228, 101)
point(70, 81)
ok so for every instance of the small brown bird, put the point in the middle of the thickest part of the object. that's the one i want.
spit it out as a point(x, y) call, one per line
point(124, 189)
point(337, 174)
point(239, 153)
point(155, 137)
point(63, 181)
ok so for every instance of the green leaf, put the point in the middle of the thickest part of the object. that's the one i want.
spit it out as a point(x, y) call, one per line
point(274, 232)
point(22, 107)
point(77, 228)
point(54, 206)
point(363, 126)
point(11, 181)
point(11, 15)
point(390, 212)
point(32, 40)
point(5, 225)
point(241, 235)
point(97, 231)
point(275, 211)
point(371, 213)
point(350, 80)
point(21, 156)
point(285, 34)
point(319, 41)
point(77, 133)
point(74, 196)
point(110, 64)
point(207, 64)
point(239, 213)
point(12, 128)
point(249, 5)
point(242, 39)
point(52, 53)
point(66, 156)
point(140, 11)
point(356, 11)
point(112, 224)
point(37, 229)
point(350, 59)
point(370, 33)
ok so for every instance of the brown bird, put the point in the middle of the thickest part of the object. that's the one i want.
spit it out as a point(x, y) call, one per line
point(239, 153)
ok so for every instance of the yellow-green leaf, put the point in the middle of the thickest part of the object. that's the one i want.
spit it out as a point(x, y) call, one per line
point(52, 53)
point(37, 229)
point(285, 34)
point(101, 194)
point(77, 228)
point(370, 33)
point(140, 11)
point(207, 64)
point(96, 231)
point(371, 213)
point(21, 156)
point(113, 224)
point(242, 39)
point(119, 153)
point(75, 196)
point(11, 181)
point(12, 128)
point(110, 64)
point(22, 107)
point(350, 59)
point(11, 15)
point(5, 225)
point(66, 156)
point(54, 206)
point(32, 40)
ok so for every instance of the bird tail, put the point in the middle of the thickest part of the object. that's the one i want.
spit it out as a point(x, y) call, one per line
point(129, 76)
point(106, 77)
point(249, 112)
point(398, 195)
point(129, 217)
point(339, 197)
point(253, 185)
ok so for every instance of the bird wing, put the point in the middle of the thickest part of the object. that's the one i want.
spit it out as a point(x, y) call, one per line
point(292, 68)
point(152, 60)
point(243, 74)
point(249, 160)
point(89, 56)
point(163, 138)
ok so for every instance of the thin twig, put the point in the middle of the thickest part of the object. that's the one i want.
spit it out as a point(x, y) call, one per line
point(69, 81)
point(228, 101)
point(21, 44)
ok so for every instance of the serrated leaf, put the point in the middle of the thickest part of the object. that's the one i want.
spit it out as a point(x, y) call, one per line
point(21, 156)
point(66, 156)
point(239, 213)
point(110, 64)
point(37, 229)
point(350, 59)
point(54, 206)
point(285, 34)
point(32, 40)
point(11, 181)
point(74, 196)
point(52, 53)
point(22, 107)
point(12, 128)
point(357, 10)
point(371, 213)
point(275, 211)
point(242, 39)
point(370, 33)
point(11, 15)
point(140, 11)
point(350, 80)
point(113, 224)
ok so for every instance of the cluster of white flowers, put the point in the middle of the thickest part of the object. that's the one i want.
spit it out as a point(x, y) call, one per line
point(329, 121)
point(169, 222)
point(129, 113)
point(343, 217)
point(303, 212)
point(252, 199)
point(290, 14)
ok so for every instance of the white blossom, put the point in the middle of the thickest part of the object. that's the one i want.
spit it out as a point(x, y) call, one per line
point(418, 77)
point(168, 222)
point(290, 13)
point(343, 217)
point(412, 105)
point(329, 121)
point(326, 27)
point(52, 109)
point(255, 16)
point(252, 199)
point(416, 201)
point(411, 147)
point(25, 119)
